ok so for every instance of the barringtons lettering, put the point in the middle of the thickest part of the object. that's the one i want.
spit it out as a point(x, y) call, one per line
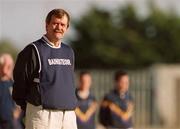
point(59, 61)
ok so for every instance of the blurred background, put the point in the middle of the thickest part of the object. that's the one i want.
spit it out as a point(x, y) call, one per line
point(141, 36)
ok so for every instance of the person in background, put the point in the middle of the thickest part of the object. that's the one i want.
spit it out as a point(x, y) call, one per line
point(116, 109)
point(9, 113)
point(87, 104)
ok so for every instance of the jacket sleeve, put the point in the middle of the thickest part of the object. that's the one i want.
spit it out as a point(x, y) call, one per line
point(26, 64)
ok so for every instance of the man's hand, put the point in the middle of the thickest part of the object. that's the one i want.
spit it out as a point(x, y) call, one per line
point(125, 115)
point(86, 116)
point(17, 112)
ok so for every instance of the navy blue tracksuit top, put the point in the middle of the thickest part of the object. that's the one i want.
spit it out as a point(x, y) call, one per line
point(109, 118)
point(84, 105)
point(6, 102)
point(47, 76)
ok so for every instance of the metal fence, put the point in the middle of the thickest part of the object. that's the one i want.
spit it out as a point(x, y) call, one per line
point(141, 88)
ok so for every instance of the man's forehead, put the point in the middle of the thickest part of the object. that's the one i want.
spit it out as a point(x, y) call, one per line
point(64, 17)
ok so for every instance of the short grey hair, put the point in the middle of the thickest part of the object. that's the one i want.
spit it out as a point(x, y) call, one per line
point(3, 57)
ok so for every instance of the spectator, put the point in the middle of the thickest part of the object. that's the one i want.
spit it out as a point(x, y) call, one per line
point(7, 106)
point(117, 106)
point(86, 103)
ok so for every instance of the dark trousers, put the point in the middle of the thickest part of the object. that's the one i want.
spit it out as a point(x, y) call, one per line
point(6, 124)
point(10, 125)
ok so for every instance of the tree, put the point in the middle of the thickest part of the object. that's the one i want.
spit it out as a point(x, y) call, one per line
point(92, 45)
point(124, 39)
point(7, 47)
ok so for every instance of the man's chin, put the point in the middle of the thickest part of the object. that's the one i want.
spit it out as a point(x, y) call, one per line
point(59, 37)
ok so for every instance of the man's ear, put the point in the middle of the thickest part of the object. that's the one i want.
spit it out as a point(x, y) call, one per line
point(67, 27)
point(46, 27)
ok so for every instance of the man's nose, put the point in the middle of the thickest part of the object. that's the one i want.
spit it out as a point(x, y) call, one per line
point(59, 26)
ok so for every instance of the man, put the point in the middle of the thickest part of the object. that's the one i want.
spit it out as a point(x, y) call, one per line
point(44, 80)
point(6, 102)
point(86, 103)
point(9, 114)
point(117, 107)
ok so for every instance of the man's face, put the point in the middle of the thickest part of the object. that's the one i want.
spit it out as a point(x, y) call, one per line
point(57, 28)
point(85, 82)
point(123, 83)
point(7, 67)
